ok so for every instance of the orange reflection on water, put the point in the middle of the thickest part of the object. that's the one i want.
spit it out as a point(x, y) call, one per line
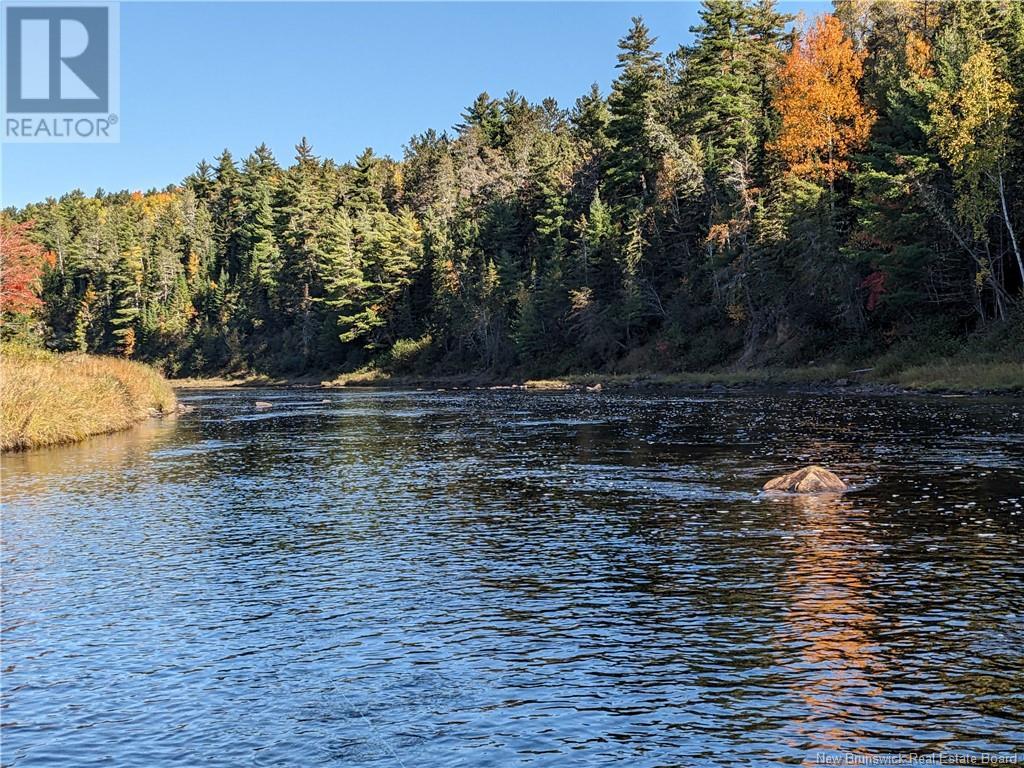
point(829, 620)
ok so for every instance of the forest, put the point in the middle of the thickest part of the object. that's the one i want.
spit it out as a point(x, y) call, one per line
point(776, 191)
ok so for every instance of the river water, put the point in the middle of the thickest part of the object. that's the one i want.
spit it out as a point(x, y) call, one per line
point(509, 578)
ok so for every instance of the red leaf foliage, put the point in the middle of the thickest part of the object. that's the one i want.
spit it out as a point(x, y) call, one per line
point(21, 264)
point(875, 285)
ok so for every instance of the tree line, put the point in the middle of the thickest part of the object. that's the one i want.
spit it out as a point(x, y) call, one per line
point(774, 191)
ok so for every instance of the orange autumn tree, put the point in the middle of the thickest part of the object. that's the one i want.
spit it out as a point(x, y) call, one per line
point(822, 117)
point(21, 265)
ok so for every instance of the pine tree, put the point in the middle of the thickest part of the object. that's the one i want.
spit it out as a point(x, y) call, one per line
point(635, 104)
point(258, 246)
point(386, 251)
point(226, 208)
point(201, 182)
point(127, 285)
point(484, 115)
point(719, 85)
point(302, 206)
point(589, 128)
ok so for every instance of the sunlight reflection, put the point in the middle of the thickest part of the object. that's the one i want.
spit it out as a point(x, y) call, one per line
point(830, 618)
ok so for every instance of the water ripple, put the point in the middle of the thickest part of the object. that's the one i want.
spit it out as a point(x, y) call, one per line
point(516, 578)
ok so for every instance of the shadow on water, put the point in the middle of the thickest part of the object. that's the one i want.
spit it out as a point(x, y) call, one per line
point(498, 578)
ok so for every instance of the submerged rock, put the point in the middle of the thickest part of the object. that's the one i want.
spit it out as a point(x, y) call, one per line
point(262, 405)
point(813, 479)
point(177, 410)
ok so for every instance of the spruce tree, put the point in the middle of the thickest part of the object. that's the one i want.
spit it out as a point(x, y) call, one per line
point(635, 105)
point(302, 206)
point(260, 253)
point(226, 207)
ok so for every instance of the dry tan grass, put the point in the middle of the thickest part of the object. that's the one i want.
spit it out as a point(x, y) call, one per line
point(547, 384)
point(944, 374)
point(48, 399)
point(222, 382)
point(364, 377)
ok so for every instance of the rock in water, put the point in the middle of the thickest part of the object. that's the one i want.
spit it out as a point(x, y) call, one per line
point(262, 405)
point(811, 479)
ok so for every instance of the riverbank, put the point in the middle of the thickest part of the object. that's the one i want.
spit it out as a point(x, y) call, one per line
point(51, 399)
point(950, 376)
point(939, 377)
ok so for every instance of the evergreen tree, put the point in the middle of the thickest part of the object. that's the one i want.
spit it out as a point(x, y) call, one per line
point(302, 207)
point(718, 84)
point(258, 246)
point(761, 196)
point(387, 250)
point(226, 209)
point(635, 105)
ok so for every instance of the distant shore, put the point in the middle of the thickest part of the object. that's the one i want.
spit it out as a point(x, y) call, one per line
point(940, 377)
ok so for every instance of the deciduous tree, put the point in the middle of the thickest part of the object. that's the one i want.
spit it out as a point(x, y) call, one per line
point(823, 119)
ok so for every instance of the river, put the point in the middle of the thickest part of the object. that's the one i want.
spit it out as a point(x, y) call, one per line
point(509, 578)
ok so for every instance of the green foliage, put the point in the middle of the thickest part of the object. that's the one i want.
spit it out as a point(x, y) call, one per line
point(660, 227)
point(408, 355)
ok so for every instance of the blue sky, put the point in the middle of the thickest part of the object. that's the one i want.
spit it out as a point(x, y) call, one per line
point(199, 77)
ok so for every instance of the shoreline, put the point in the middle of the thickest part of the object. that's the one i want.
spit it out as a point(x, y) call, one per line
point(938, 379)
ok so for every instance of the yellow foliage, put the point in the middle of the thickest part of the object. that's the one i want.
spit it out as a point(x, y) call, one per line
point(718, 236)
point(150, 205)
point(918, 52)
point(192, 265)
point(581, 299)
point(128, 342)
point(736, 312)
point(450, 277)
point(971, 121)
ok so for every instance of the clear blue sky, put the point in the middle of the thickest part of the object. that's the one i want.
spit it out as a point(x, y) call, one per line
point(199, 77)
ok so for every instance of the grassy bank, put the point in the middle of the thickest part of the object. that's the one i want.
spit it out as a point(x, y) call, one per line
point(947, 375)
point(48, 399)
point(936, 377)
point(941, 376)
point(988, 361)
point(248, 380)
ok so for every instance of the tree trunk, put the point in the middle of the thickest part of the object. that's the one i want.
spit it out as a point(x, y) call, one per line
point(997, 289)
point(305, 324)
point(1009, 228)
